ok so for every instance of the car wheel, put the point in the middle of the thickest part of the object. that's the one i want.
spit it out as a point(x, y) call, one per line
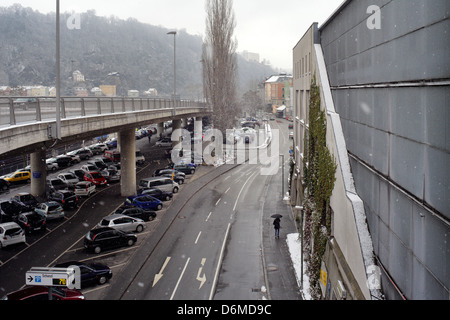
point(97, 249)
point(139, 228)
point(130, 242)
point(167, 198)
point(192, 171)
point(102, 280)
point(159, 207)
point(175, 190)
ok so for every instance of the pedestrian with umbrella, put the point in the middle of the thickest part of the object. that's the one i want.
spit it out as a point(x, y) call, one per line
point(277, 224)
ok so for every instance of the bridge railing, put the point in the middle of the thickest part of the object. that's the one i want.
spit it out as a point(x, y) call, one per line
point(22, 110)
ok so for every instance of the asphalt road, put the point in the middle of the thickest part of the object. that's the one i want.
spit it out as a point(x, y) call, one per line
point(207, 243)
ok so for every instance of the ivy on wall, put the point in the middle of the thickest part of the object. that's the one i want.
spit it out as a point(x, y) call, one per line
point(319, 169)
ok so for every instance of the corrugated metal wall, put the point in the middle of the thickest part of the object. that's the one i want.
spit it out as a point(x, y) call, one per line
point(391, 89)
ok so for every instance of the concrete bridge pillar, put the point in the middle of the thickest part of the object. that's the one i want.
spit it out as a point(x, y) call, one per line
point(160, 129)
point(198, 141)
point(38, 174)
point(176, 124)
point(128, 162)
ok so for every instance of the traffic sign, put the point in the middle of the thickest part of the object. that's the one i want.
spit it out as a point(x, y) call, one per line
point(54, 277)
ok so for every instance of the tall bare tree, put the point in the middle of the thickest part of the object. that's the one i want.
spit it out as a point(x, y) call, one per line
point(220, 62)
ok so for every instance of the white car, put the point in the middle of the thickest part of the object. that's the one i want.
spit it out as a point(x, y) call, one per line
point(11, 233)
point(69, 178)
point(122, 223)
point(52, 165)
point(164, 143)
point(84, 189)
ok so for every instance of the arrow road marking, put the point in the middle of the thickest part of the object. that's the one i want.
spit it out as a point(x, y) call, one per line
point(160, 274)
point(203, 278)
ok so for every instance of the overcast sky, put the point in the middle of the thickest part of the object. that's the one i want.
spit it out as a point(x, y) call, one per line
point(270, 28)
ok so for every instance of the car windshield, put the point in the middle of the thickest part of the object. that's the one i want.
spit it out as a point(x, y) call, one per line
point(97, 175)
point(104, 222)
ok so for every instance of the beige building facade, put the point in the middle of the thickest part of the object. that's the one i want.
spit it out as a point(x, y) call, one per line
point(348, 262)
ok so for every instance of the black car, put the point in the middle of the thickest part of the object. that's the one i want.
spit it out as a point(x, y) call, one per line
point(9, 210)
point(64, 161)
point(31, 221)
point(136, 213)
point(156, 193)
point(56, 185)
point(101, 239)
point(4, 185)
point(26, 199)
point(66, 198)
point(91, 273)
point(79, 173)
point(185, 168)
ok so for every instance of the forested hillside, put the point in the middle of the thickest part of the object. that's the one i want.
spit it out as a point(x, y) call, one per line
point(107, 50)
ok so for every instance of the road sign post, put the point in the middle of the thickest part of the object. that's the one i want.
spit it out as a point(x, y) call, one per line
point(54, 277)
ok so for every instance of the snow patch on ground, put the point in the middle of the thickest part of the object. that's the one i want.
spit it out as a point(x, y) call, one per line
point(295, 249)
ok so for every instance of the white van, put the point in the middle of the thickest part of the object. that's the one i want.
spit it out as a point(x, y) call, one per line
point(11, 233)
point(140, 159)
point(84, 189)
point(161, 183)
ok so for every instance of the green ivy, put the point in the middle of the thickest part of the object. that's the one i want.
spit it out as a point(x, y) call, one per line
point(319, 176)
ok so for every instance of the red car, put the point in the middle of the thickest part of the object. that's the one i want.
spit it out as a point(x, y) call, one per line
point(96, 178)
point(41, 293)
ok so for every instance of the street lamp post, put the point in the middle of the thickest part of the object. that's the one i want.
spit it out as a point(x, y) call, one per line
point(174, 33)
point(58, 74)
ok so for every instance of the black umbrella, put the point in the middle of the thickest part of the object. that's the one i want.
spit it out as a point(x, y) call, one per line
point(277, 216)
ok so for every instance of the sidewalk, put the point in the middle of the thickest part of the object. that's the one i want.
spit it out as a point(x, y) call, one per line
point(280, 273)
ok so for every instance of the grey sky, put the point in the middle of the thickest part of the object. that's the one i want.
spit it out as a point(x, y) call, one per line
point(270, 28)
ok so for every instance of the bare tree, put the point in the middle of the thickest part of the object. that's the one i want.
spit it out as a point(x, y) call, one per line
point(220, 62)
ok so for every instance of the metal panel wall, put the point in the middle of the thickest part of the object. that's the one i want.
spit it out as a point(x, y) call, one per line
point(391, 89)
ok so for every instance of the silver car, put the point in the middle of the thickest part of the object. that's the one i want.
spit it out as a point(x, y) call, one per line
point(122, 223)
point(50, 210)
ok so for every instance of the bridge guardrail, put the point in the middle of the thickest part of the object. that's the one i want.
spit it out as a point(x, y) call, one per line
point(22, 110)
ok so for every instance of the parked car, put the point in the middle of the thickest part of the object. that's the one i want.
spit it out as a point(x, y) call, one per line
point(64, 161)
point(11, 233)
point(96, 178)
point(39, 293)
point(123, 223)
point(56, 185)
point(9, 210)
point(157, 193)
point(113, 155)
point(136, 213)
point(4, 185)
point(52, 165)
point(83, 153)
point(291, 135)
point(101, 239)
point(31, 221)
point(99, 163)
point(85, 189)
point(18, 177)
point(26, 200)
point(112, 144)
point(144, 202)
point(91, 273)
point(96, 149)
point(79, 173)
point(162, 183)
point(164, 143)
point(178, 176)
point(185, 168)
point(89, 168)
point(51, 210)
point(291, 126)
point(69, 178)
point(75, 158)
point(66, 198)
point(111, 175)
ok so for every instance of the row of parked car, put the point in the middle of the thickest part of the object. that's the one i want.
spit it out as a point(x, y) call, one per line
point(118, 229)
